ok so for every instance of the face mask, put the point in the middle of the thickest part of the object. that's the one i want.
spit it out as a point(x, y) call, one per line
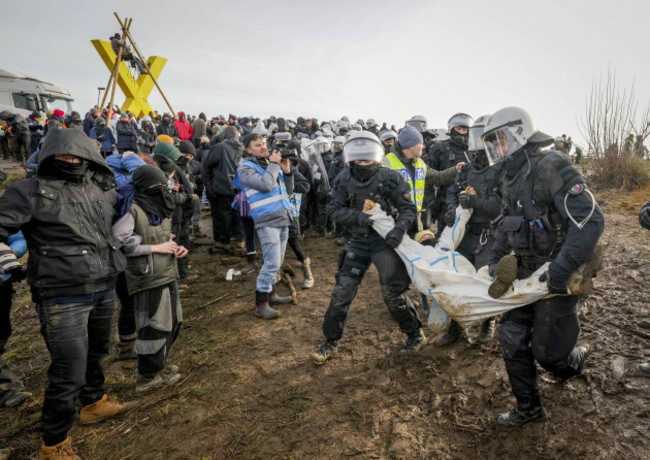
point(363, 173)
point(163, 199)
point(205, 145)
point(67, 169)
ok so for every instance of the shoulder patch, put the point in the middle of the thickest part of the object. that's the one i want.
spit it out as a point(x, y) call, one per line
point(577, 189)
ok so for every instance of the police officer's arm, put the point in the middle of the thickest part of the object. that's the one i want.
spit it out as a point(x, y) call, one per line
point(564, 184)
point(339, 206)
point(454, 189)
point(500, 248)
point(490, 204)
point(400, 196)
point(15, 211)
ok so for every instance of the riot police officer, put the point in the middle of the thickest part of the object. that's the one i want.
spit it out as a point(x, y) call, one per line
point(445, 154)
point(548, 215)
point(476, 187)
point(365, 179)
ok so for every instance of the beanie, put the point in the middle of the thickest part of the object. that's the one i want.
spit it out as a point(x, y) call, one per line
point(58, 113)
point(167, 150)
point(186, 147)
point(419, 235)
point(408, 137)
point(165, 138)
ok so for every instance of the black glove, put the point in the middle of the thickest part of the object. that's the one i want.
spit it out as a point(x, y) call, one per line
point(493, 270)
point(554, 286)
point(102, 138)
point(395, 237)
point(644, 216)
point(450, 217)
point(465, 200)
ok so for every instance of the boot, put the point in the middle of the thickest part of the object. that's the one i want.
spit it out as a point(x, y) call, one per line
point(487, 330)
point(126, 350)
point(529, 409)
point(581, 281)
point(238, 248)
point(168, 376)
point(453, 334)
point(262, 309)
point(60, 451)
point(103, 409)
point(324, 352)
point(248, 269)
point(197, 233)
point(275, 299)
point(414, 342)
point(306, 271)
point(506, 273)
point(12, 390)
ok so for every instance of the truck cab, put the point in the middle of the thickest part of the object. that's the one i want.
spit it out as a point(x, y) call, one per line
point(22, 94)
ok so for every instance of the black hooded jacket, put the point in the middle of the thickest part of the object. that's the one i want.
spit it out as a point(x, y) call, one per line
point(67, 224)
point(219, 165)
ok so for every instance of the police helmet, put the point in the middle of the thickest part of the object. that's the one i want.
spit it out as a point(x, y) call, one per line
point(370, 123)
point(363, 145)
point(386, 135)
point(319, 145)
point(418, 122)
point(506, 132)
point(474, 142)
point(460, 119)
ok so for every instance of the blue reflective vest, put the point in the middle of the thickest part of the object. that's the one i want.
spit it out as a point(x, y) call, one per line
point(262, 203)
point(296, 201)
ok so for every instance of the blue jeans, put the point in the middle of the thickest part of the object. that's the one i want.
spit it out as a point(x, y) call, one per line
point(274, 242)
point(78, 337)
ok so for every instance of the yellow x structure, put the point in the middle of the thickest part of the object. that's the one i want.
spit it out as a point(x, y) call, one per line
point(136, 91)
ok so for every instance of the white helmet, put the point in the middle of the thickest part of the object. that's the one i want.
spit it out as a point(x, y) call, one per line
point(474, 141)
point(387, 134)
point(319, 145)
point(363, 145)
point(460, 119)
point(418, 122)
point(507, 131)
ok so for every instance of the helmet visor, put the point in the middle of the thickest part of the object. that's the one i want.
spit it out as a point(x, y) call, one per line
point(361, 148)
point(474, 142)
point(500, 144)
point(420, 126)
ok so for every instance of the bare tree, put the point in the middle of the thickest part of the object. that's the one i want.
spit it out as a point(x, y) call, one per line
point(610, 116)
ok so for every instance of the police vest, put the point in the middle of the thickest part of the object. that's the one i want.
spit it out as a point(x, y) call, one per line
point(417, 186)
point(263, 203)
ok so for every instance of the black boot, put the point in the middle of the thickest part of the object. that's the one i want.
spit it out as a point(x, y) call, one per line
point(529, 409)
point(455, 332)
point(487, 330)
point(414, 342)
point(324, 352)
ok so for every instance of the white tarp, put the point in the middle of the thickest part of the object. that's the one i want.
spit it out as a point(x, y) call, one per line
point(451, 279)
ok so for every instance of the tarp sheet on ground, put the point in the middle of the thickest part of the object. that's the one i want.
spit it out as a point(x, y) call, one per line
point(451, 279)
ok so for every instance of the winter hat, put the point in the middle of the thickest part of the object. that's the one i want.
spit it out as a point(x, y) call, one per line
point(99, 120)
point(167, 150)
point(244, 120)
point(59, 113)
point(165, 138)
point(259, 128)
point(408, 137)
point(187, 147)
point(419, 235)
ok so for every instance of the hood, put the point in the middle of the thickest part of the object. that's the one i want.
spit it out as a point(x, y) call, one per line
point(167, 150)
point(229, 133)
point(74, 142)
point(181, 116)
point(203, 117)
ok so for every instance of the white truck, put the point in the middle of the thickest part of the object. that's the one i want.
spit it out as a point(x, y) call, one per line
point(23, 94)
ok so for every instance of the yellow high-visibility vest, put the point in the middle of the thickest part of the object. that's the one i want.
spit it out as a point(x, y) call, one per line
point(417, 186)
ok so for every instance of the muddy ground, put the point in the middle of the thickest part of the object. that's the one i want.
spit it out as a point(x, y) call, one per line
point(250, 389)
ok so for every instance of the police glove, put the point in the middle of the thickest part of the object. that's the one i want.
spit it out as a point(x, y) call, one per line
point(395, 237)
point(8, 261)
point(363, 220)
point(450, 217)
point(493, 270)
point(644, 216)
point(465, 200)
point(554, 286)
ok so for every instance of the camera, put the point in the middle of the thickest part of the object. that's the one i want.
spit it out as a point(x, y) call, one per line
point(281, 143)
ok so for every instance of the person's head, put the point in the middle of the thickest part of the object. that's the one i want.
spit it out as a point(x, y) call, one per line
point(308, 123)
point(639, 138)
point(559, 142)
point(363, 152)
point(117, 35)
point(187, 149)
point(411, 142)
point(181, 116)
point(255, 145)
point(166, 118)
point(419, 122)
point(423, 236)
point(388, 138)
point(508, 131)
point(100, 122)
point(205, 142)
point(475, 147)
point(337, 144)
point(232, 119)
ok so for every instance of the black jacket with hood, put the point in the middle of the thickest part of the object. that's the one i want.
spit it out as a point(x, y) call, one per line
point(67, 223)
point(219, 165)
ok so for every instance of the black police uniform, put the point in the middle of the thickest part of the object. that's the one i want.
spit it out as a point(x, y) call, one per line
point(441, 156)
point(387, 188)
point(540, 193)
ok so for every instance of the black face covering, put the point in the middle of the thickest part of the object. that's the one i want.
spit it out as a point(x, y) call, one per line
point(67, 170)
point(364, 172)
point(459, 139)
point(480, 159)
point(157, 201)
point(514, 163)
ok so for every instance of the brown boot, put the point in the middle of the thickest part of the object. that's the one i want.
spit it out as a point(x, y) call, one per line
point(505, 275)
point(581, 281)
point(60, 451)
point(103, 409)
point(238, 248)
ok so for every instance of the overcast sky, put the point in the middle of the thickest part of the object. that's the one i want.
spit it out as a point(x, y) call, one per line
point(379, 59)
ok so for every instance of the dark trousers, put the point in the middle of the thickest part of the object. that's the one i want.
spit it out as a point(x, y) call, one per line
point(24, 140)
point(294, 239)
point(248, 226)
point(225, 221)
point(6, 293)
point(126, 319)
point(547, 332)
point(353, 264)
point(78, 337)
point(323, 222)
point(183, 239)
